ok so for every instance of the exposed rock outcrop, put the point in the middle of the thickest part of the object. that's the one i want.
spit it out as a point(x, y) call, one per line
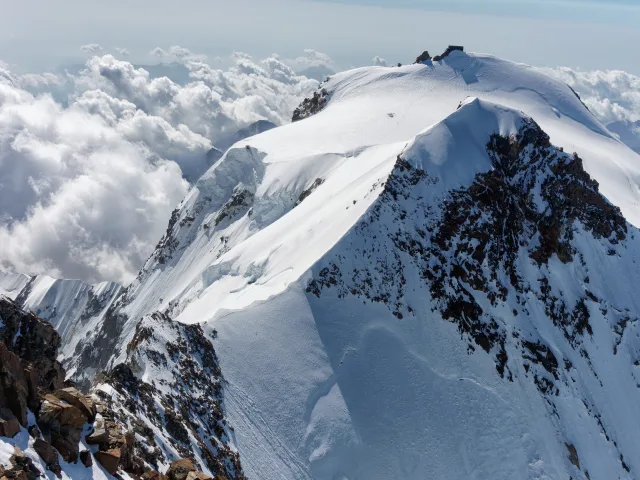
point(9, 424)
point(305, 193)
point(49, 455)
point(84, 403)
point(179, 469)
point(22, 468)
point(121, 410)
point(28, 364)
point(447, 52)
point(311, 106)
point(31, 379)
point(85, 458)
point(190, 397)
point(423, 57)
point(61, 423)
point(109, 459)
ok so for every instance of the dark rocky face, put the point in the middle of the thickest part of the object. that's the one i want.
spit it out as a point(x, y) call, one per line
point(312, 105)
point(471, 244)
point(119, 425)
point(190, 396)
point(29, 350)
point(423, 57)
point(486, 257)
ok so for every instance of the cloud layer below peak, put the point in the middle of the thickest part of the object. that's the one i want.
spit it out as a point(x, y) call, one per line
point(92, 164)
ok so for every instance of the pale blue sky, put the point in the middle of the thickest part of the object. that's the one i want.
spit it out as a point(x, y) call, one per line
point(38, 34)
point(614, 11)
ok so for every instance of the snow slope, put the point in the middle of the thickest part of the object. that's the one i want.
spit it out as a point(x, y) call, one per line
point(402, 288)
point(74, 308)
point(11, 284)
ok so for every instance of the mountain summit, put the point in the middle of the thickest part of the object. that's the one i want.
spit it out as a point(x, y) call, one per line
point(431, 274)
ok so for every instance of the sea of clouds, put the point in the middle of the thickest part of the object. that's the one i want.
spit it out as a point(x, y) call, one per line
point(612, 95)
point(93, 162)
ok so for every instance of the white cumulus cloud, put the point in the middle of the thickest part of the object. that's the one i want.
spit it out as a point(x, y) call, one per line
point(91, 165)
point(379, 61)
point(79, 199)
point(123, 52)
point(311, 58)
point(613, 96)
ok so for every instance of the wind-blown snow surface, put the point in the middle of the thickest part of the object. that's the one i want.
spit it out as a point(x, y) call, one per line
point(310, 250)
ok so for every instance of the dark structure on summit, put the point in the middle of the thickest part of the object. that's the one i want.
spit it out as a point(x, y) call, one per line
point(453, 48)
point(425, 57)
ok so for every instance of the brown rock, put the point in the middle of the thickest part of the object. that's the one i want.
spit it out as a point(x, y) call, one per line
point(13, 386)
point(32, 380)
point(179, 470)
point(23, 467)
point(153, 475)
point(109, 459)
point(67, 444)
point(100, 435)
point(36, 345)
point(198, 476)
point(423, 57)
point(47, 453)
point(9, 425)
point(14, 474)
point(61, 423)
point(116, 438)
point(85, 458)
point(130, 460)
point(53, 409)
point(56, 469)
point(34, 431)
point(18, 457)
point(78, 400)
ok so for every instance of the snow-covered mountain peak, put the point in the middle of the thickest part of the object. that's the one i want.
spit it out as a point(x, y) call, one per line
point(429, 274)
point(454, 149)
point(268, 218)
point(382, 105)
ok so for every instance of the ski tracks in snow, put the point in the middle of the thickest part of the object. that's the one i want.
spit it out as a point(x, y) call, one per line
point(246, 415)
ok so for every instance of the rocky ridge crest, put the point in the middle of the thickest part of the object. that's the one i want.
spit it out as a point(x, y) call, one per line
point(114, 422)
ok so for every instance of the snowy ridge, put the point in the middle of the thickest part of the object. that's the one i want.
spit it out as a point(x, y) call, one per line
point(419, 280)
point(170, 390)
point(372, 114)
point(11, 284)
point(74, 308)
point(336, 334)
